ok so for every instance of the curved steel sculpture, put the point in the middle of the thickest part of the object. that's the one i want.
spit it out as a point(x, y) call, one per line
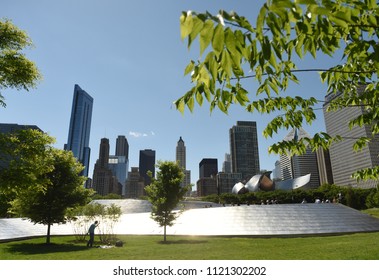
point(264, 183)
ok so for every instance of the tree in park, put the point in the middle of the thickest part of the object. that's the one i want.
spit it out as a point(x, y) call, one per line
point(165, 193)
point(16, 70)
point(286, 31)
point(62, 190)
point(41, 182)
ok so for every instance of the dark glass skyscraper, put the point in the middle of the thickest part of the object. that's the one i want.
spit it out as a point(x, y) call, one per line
point(208, 167)
point(146, 163)
point(244, 149)
point(122, 146)
point(80, 127)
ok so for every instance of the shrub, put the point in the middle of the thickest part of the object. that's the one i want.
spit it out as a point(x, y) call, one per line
point(353, 197)
point(82, 217)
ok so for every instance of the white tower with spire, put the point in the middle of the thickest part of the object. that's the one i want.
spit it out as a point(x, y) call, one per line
point(181, 159)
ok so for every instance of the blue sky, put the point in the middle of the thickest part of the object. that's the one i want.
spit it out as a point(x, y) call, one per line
point(129, 57)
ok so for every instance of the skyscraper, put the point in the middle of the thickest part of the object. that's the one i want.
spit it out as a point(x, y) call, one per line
point(181, 153)
point(181, 159)
point(119, 167)
point(147, 163)
point(134, 184)
point(300, 165)
point(104, 181)
point(207, 183)
point(80, 127)
point(208, 167)
point(227, 164)
point(343, 159)
point(226, 181)
point(244, 149)
point(119, 163)
point(122, 146)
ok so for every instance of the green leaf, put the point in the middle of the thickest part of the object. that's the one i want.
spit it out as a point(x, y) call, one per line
point(206, 35)
point(261, 20)
point(191, 103)
point(218, 39)
point(266, 48)
point(212, 65)
point(222, 107)
point(226, 63)
point(180, 105)
point(189, 68)
point(196, 28)
point(339, 21)
point(186, 24)
point(230, 40)
point(199, 98)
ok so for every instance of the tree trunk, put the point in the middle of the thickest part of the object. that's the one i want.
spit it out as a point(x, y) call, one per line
point(164, 233)
point(48, 234)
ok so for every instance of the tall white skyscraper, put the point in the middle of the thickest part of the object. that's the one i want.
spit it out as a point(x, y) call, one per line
point(181, 159)
point(344, 160)
point(181, 153)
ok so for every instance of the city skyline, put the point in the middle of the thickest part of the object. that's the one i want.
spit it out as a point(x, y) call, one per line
point(133, 84)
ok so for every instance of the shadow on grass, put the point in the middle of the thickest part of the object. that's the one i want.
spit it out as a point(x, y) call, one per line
point(182, 241)
point(38, 248)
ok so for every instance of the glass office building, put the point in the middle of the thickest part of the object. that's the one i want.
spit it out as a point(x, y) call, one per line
point(147, 163)
point(244, 149)
point(80, 127)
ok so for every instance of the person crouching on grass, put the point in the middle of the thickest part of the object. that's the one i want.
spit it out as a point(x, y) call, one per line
point(91, 232)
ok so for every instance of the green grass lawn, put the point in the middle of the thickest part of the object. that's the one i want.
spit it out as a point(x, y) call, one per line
point(362, 246)
point(372, 211)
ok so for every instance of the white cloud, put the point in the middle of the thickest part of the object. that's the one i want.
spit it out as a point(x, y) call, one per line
point(137, 134)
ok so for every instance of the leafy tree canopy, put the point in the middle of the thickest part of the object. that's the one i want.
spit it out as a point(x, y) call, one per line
point(16, 70)
point(286, 31)
point(38, 181)
point(24, 160)
point(62, 189)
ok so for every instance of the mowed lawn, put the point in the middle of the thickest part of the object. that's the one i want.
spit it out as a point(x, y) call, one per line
point(361, 246)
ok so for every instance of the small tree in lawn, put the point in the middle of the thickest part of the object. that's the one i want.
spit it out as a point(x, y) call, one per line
point(165, 192)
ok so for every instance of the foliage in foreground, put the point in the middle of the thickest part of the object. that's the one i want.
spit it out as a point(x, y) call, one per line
point(16, 70)
point(269, 50)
